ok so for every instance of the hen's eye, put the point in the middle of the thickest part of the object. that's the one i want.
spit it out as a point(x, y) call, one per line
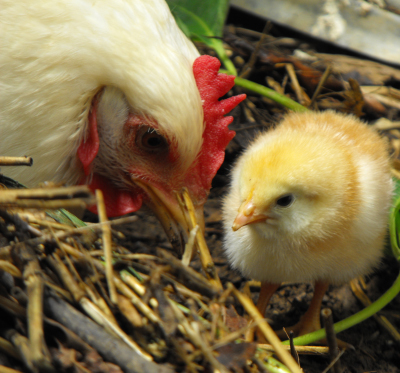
point(285, 200)
point(148, 138)
point(152, 140)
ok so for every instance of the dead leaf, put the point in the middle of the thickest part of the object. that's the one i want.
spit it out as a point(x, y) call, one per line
point(234, 355)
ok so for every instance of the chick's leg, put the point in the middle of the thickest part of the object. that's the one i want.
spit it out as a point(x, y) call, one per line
point(266, 292)
point(310, 321)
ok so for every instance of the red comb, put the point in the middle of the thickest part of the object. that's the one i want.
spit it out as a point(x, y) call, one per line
point(216, 136)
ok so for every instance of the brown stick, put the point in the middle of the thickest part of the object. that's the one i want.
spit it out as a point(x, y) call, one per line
point(38, 351)
point(300, 94)
point(321, 83)
point(80, 191)
point(269, 334)
point(47, 198)
point(205, 256)
point(110, 347)
point(332, 341)
point(302, 350)
point(253, 57)
point(107, 245)
point(16, 161)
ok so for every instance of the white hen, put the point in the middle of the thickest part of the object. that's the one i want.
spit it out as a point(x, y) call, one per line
point(111, 94)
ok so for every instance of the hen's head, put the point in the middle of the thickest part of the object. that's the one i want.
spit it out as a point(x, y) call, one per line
point(140, 159)
point(135, 157)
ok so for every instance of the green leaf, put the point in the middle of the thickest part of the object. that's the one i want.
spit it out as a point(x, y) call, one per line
point(204, 20)
point(202, 17)
point(63, 216)
point(394, 224)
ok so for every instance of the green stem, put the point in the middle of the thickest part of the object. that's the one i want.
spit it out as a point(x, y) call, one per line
point(269, 93)
point(218, 47)
point(354, 319)
point(274, 366)
point(394, 226)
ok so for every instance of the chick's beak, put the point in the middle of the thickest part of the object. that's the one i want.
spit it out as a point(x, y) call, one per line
point(247, 215)
point(174, 218)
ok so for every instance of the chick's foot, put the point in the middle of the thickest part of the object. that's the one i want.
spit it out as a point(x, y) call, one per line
point(310, 321)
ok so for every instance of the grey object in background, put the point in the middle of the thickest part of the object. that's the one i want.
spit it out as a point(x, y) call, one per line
point(352, 24)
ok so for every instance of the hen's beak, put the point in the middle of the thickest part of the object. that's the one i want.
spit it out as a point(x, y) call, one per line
point(247, 215)
point(173, 215)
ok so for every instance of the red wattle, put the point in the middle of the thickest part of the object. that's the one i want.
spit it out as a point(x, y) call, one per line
point(88, 149)
point(118, 202)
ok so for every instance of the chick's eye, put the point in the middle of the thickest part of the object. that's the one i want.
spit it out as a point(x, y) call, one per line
point(285, 200)
point(149, 139)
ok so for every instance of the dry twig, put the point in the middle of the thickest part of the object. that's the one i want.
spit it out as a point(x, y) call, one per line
point(107, 245)
point(16, 161)
point(266, 330)
point(205, 256)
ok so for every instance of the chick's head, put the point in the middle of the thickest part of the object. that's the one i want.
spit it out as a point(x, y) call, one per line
point(295, 184)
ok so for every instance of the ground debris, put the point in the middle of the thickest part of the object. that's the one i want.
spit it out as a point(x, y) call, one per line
point(55, 297)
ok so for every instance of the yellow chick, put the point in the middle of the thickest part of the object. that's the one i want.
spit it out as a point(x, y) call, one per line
point(309, 201)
